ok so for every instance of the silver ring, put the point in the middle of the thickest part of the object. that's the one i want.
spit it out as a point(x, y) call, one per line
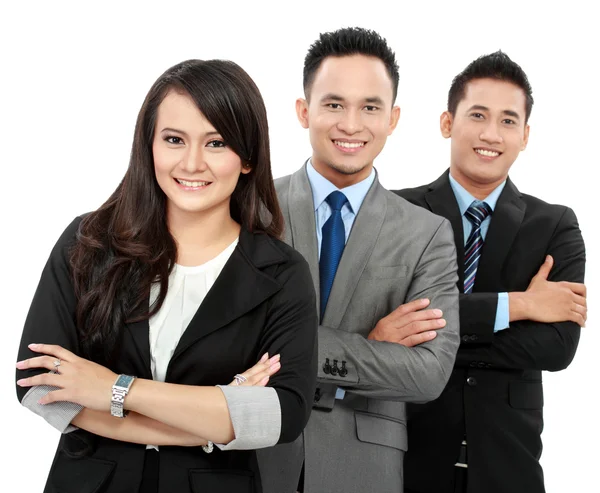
point(240, 379)
point(57, 363)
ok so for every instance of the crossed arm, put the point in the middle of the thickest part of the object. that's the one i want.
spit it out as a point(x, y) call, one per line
point(168, 414)
point(409, 355)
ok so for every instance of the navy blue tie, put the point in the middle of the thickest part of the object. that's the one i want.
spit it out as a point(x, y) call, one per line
point(332, 245)
point(476, 213)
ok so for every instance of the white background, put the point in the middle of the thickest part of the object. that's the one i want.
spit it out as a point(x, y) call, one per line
point(74, 76)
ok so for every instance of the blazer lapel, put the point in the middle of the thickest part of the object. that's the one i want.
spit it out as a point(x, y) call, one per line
point(504, 226)
point(360, 244)
point(441, 201)
point(140, 333)
point(240, 287)
point(302, 224)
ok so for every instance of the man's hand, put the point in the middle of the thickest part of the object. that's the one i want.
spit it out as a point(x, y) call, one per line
point(546, 301)
point(409, 324)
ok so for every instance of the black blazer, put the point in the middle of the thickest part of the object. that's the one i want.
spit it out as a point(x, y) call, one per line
point(495, 391)
point(262, 301)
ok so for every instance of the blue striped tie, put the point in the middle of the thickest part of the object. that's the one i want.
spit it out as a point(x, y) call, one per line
point(332, 245)
point(476, 213)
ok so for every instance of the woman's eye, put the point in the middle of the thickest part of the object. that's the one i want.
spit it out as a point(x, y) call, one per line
point(216, 143)
point(174, 140)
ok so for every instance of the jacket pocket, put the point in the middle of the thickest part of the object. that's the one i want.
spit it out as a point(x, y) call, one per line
point(385, 272)
point(381, 430)
point(221, 481)
point(526, 395)
point(79, 475)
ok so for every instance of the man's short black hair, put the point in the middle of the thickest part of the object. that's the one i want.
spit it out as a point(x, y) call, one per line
point(345, 42)
point(493, 66)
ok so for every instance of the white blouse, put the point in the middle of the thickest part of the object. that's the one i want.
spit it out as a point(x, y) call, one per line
point(188, 287)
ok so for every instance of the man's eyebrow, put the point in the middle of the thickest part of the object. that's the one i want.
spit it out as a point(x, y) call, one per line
point(332, 97)
point(478, 107)
point(375, 100)
point(512, 113)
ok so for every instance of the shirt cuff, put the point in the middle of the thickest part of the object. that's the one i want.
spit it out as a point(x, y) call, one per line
point(502, 313)
point(256, 417)
point(58, 414)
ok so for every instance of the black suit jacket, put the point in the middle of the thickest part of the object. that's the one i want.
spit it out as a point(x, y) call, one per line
point(262, 301)
point(495, 392)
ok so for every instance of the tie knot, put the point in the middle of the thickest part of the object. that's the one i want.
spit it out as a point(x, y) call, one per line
point(477, 212)
point(336, 200)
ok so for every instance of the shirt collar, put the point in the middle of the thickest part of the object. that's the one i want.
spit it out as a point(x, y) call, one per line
point(465, 199)
point(322, 187)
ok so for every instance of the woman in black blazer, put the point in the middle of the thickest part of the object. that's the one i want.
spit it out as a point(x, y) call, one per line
point(179, 279)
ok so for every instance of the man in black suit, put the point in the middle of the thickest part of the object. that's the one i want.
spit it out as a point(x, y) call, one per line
point(521, 264)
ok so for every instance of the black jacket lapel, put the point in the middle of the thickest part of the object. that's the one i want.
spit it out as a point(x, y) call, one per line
point(504, 226)
point(240, 287)
point(441, 201)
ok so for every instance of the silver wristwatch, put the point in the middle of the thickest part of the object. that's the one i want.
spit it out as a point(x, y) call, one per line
point(119, 390)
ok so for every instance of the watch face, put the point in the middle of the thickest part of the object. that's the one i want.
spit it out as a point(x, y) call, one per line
point(124, 381)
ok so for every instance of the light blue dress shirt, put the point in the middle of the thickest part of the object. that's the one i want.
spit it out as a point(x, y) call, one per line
point(321, 188)
point(464, 200)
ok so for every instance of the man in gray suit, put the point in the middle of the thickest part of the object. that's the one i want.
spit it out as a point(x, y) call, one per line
point(378, 262)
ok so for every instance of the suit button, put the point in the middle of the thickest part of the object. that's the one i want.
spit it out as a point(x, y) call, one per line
point(489, 365)
point(334, 368)
point(327, 367)
point(465, 338)
point(474, 337)
point(317, 397)
point(481, 364)
point(473, 364)
point(471, 381)
point(343, 370)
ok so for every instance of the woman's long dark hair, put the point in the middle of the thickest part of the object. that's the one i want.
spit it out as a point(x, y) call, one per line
point(125, 246)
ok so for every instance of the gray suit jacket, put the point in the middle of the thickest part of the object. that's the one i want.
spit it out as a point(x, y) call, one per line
point(396, 252)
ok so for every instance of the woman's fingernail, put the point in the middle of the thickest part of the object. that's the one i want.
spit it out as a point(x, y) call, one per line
point(20, 382)
point(20, 364)
point(264, 357)
point(33, 345)
point(275, 367)
point(274, 359)
point(437, 312)
point(264, 381)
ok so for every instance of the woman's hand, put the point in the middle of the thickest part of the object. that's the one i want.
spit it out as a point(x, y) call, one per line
point(259, 374)
point(79, 380)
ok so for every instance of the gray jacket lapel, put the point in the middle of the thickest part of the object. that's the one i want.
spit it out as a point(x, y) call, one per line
point(302, 223)
point(362, 240)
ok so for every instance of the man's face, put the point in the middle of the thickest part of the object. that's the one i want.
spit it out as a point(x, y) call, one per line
point(488, 131)
point(349, 116)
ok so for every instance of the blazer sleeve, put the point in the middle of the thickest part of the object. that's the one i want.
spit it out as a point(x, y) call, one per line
point(384, 370)
point(291, 331)
point(534, 345)
point(51, 320)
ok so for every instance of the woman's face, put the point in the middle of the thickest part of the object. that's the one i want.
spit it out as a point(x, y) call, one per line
point(194, 167)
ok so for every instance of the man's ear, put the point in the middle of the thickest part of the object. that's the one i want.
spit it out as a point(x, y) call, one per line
point(394, 118)
point(446, 124)
point(302, 111)
point(525, 138)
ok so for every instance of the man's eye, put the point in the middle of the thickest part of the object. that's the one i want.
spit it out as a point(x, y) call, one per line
point(477, 115)
point(371, 108)
point(216, 143)
point(174, 140)
point(335, 106)
point(509, 121)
